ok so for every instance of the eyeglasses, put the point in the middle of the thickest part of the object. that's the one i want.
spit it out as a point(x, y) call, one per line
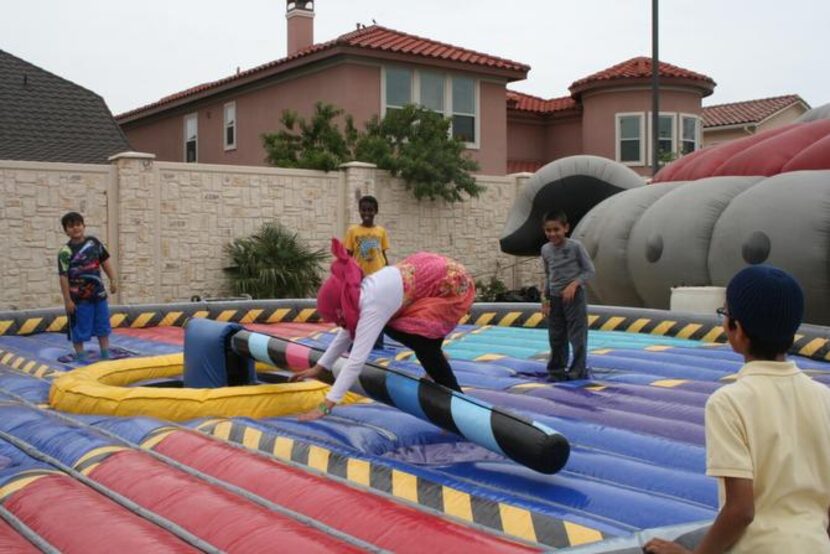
point(722, 313)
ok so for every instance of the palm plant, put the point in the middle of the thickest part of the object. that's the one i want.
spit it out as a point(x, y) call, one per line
point(274, 263)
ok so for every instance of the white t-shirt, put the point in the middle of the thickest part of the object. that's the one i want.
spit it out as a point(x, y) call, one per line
point(381, 296)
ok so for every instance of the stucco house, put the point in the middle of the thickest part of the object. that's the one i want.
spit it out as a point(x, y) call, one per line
point(375, 69)
point(725, 122)
point(44, 117)
point(367, 72)
point(608, 114)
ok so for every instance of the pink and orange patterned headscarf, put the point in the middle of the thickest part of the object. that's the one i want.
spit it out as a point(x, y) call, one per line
point(338, 300)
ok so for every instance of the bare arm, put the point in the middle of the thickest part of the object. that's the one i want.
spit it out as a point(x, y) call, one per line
point(67, 299)
point(737, 513)
point(110, 271)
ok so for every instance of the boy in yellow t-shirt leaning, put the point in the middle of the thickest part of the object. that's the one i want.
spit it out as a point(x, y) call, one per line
point(368, 243)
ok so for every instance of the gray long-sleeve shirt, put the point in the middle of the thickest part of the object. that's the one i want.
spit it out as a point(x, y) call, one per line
point(565, 263)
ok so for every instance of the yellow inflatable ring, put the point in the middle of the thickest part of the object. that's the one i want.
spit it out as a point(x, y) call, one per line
point(102, 389)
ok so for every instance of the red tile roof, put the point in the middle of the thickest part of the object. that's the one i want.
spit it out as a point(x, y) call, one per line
point(375, 38)
point(748, 111)
point(638, 68)
point(521, 166)
point(381, 38)
point(527, 103)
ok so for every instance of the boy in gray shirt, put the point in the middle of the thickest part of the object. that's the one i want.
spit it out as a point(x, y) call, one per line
point(567, 268)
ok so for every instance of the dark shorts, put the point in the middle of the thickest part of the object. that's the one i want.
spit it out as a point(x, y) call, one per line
point(90, 319)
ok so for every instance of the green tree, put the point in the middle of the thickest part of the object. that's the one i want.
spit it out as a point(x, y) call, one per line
point(274, 263)
point(315, 144)
point(415, 143)
point(412, 142)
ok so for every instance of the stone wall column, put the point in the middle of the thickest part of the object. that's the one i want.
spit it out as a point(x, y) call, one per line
point(134, 214)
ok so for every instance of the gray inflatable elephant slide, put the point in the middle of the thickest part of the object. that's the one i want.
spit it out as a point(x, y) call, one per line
point(761, 199)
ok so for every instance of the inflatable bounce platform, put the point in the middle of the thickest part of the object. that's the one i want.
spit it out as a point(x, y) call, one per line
point(190, 441)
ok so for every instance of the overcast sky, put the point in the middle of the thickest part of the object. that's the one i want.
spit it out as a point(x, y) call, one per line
point(133, 53)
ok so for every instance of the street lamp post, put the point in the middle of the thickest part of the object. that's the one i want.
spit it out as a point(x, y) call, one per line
point(655, 92)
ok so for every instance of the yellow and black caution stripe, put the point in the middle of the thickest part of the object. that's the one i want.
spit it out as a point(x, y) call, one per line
point(89, 461)
point(814, 342)
point(27, 366)
point(22, 480)
point(500, 516)
point(811, 346)
point(167, 315)
point(602, 318)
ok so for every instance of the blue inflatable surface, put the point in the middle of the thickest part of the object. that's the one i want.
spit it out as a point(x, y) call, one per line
point(635, 427)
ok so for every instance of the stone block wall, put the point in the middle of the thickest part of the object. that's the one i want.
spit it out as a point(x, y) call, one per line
point(34, 198)
point(168, 223)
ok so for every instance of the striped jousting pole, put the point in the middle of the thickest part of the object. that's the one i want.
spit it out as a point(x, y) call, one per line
point(526, 442)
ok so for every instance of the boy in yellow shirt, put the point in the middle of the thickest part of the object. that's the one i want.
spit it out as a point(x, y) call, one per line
point(367, 243)
point(767, 434)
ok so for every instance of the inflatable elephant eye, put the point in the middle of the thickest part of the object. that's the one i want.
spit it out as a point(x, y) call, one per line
point(654, 248)
point(756, 248)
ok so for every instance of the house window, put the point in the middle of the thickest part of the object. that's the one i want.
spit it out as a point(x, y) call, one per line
point(191, 134)
point(454, 97)
point(665, 139)
point(432, 91)
point(230, 126)
point(630, 133)
point(689, 134)
point(398, 87)
point(464, 109)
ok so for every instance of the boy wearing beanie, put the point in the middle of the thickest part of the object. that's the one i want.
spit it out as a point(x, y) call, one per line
point(767, 434)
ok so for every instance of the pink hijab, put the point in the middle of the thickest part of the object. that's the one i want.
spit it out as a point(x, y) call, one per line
point(338, 300)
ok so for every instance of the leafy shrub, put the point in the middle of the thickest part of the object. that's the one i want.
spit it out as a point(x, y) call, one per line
point(412, 142)
point(274, 263)
point(490, 291)
point(415, 143)
point(315, 144)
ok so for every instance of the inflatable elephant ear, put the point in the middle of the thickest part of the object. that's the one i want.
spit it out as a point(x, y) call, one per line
point(574, 185)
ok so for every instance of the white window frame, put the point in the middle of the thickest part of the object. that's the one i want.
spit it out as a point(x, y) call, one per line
point(675, 139)
point(617, 125)
point(698, 130)
point(412, 87)
point(226, 125)
point(450, 110)
point(195, 118)
point(415, 97)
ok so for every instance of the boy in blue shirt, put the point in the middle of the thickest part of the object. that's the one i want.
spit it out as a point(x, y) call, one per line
point(84, 294)
point(567, 268)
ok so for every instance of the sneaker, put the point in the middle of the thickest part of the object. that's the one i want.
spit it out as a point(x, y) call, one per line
point(582, 374)
point(79, 357)
point(557, 377)
point(105, 354)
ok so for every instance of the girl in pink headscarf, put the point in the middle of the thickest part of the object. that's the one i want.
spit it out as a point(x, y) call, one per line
point(416, 302)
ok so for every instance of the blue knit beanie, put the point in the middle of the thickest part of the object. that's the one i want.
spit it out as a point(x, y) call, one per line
point(767, 301)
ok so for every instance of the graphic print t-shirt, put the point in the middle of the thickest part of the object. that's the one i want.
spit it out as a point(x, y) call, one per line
point(367, 245)
point(81, 263)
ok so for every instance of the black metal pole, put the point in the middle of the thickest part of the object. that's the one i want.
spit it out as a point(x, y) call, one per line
point(655, 92)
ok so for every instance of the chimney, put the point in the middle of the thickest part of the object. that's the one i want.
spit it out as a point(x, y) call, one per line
point(299, 15)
